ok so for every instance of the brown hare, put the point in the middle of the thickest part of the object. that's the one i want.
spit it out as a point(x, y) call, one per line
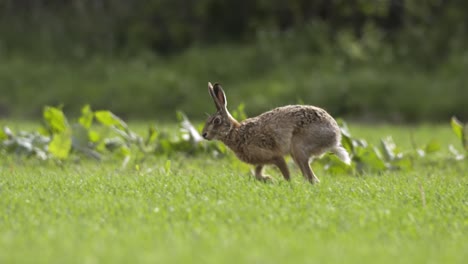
point(303, 131)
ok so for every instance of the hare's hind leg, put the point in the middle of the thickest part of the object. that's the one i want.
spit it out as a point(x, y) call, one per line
point(281, 164)
point(302, 160)
point(259, 175)
point(307, 171)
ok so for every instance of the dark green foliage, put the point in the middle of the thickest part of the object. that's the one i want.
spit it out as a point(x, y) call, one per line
point(78, 28)
point(100, 135)
point(24, 144)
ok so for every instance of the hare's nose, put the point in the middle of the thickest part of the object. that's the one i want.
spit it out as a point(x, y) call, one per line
point(204, 135)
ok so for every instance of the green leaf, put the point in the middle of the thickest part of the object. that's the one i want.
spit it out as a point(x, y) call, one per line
point(193, 135)
point(432, 146)
point(465, 136)
point(220, 147)
point(4, 133)
point(346, 139)
point(80, 136)
point(369, 157)
point(152, 136)
point(55, 120)
point(347, 143)
point(239, 112)
point(60, 145)
point(113, 144)
point(180, 116)
point(457, 127)
point(388, 148)
point(94, 136)
point(107, 118)
point(334, 165)
point(457, 155)
point(460, 131)
point(86, 118)
point(403, 162)
point(166, 146)
point(124, 151)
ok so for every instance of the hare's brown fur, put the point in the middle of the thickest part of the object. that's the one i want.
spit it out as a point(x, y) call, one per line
point(302, 131)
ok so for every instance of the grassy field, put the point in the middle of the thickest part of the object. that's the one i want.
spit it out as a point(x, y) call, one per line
point(205, 210)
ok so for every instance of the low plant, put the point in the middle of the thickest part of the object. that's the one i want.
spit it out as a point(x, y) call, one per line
point(103, 135)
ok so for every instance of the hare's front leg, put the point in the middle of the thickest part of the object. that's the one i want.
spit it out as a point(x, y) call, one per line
point(280, 163)
point(258, 174)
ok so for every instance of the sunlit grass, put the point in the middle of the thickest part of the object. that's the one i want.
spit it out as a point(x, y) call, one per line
point(206, 210)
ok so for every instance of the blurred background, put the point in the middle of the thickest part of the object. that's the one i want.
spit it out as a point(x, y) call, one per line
point(375, 61)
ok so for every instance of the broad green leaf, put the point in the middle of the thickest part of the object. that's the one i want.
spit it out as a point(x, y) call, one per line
point(43, 130)
point(152, 136)
point(432, 146)
point(125, 161)
point(113, 144)
point(55, 119)
point(221, 147)
point(336, 166)
point(369, 158)
point(60, 145)
point(124, 151)
point(94, 136)
point(193, 135)
point(465, 137)
point(24, 144)
point(86, 118)
point(460, 131)
point(165, 146)
point(344, 127)
point(457, 155)
point(4, 133)
point(107, 118)
point(239, 112)
point(80, 136)
point(180, 116)
point(346, 139)
point(388, 148)
point(347, 143)
point(360, 143)
point(457, 127)
point(101, 146)
point(403, 162)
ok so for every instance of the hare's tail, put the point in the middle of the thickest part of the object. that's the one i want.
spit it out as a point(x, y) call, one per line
point(342, 154)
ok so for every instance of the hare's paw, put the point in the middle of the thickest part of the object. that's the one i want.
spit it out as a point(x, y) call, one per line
point(264, 178)
point(314, 180)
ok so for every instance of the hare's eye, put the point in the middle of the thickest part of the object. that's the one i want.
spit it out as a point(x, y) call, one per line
point(217, 121)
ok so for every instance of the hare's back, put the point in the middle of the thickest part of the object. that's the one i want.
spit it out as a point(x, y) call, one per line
point(308, 125)
point(276, 131)
point(297, 116)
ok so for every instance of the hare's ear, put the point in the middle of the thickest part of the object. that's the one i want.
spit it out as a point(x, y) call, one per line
point(218, 96)
point(218, 91)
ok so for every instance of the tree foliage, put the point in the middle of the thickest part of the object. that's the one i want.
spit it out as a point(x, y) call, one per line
point(87, 26)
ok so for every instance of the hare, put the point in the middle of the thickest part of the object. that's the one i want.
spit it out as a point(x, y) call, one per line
point(303, 131)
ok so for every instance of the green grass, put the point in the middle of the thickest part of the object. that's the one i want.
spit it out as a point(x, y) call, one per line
point(207, 210)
